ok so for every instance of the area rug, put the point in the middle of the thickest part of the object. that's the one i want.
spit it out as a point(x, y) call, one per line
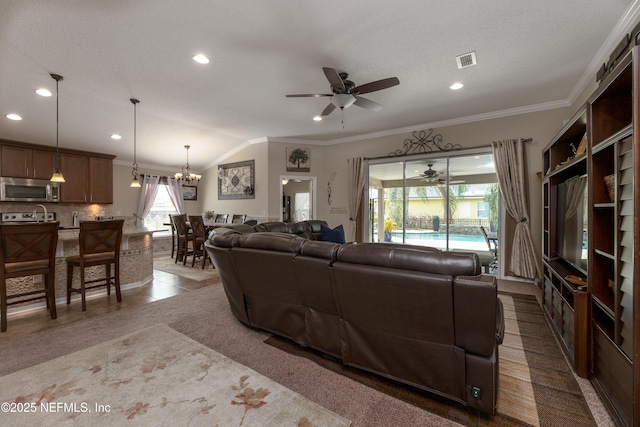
point(536, 386)
point(155, 376)
point(168, 265)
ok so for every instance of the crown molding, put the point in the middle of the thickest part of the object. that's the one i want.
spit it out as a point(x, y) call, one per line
point(624, 26)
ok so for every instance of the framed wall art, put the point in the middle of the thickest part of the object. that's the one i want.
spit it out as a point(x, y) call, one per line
point(298, 159)
point(189, 192)
point(236, 180)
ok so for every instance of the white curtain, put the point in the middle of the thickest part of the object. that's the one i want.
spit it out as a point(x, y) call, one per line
point(147, 196)
point(510, 168)
point(356, 189)
point(175, 194)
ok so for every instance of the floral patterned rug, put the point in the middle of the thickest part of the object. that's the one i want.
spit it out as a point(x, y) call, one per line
point(155, 376)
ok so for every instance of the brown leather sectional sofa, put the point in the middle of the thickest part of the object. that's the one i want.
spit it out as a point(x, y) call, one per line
point(418, 315)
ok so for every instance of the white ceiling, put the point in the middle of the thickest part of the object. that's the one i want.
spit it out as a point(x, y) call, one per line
point(531, 56)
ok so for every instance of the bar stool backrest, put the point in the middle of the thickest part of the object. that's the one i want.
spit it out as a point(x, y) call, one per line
point(32, 246)
point(98, 237)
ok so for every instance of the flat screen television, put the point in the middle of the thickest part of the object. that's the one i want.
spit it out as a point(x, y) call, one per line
point(572, 221)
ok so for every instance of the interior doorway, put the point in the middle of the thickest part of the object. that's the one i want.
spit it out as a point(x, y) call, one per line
point(298, 198)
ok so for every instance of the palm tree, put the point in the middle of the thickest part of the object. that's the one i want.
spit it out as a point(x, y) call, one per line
point(492, 197)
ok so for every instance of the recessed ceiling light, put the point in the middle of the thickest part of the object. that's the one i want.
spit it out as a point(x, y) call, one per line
point(13, 116)
point(43, 92)
point(456, 86)
point(317, 118)
point(116, 136)
point(201, 59)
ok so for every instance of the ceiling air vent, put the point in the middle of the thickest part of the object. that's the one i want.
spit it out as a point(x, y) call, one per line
point(466, 60)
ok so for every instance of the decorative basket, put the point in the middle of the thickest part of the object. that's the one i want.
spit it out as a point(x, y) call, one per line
point(610, 180)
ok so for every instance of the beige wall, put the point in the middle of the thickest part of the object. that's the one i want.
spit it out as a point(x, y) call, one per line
point(254, 208)
point(329, 165)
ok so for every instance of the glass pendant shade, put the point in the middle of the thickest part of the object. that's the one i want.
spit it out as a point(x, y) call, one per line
point(57, 176)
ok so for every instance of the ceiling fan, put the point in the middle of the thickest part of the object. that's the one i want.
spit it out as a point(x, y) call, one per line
point(345, 93)
point(435, 177)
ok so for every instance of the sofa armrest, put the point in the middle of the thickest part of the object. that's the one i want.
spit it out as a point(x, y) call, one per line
point(476, 308)
point(499, 322)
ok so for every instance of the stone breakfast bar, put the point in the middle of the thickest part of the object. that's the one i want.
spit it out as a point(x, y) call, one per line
point(136, 266)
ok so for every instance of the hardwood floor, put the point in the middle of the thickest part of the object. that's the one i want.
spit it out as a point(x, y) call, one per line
point(163, 285)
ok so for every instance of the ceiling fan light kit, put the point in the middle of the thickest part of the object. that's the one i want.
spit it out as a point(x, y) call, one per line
point(345, 92)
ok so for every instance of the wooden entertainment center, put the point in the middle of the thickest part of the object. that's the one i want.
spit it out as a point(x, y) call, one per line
point(589, 233)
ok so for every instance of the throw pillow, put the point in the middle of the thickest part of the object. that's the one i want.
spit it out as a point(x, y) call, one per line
point(335, 235)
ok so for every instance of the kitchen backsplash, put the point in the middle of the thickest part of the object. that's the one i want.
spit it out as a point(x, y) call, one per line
point(64, 212)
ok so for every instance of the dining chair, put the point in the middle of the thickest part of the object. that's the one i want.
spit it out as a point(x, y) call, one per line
point(98, 244)
point(185, 237)
point(174, 240)
point(27, 250)
point(492, 244)
point(199, 237)
point(221, 218)
point(238, 219)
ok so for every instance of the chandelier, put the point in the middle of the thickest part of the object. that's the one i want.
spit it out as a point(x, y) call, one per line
point(187, 177)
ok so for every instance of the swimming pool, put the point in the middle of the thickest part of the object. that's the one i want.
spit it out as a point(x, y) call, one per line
point(412, 235)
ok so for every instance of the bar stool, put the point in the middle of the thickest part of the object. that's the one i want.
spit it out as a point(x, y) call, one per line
point(26, 250)
point(99, 244)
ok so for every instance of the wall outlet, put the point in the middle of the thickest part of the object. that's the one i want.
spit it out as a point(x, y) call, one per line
point(38, 278)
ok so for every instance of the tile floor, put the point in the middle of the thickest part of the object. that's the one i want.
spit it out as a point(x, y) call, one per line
point(163, 285)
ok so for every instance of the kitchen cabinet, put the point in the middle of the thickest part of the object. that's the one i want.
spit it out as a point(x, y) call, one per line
point(22, 162)
point(88, 179)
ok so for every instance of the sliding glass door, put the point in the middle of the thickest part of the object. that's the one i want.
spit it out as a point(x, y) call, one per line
point(440, 200)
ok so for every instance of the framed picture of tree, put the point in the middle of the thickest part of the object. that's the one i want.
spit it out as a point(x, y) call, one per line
point(298, 159)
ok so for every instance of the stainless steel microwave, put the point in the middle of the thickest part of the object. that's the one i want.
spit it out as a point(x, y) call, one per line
point(29, 190)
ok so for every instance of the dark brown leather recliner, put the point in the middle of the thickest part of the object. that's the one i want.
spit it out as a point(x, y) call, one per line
point(417, 315)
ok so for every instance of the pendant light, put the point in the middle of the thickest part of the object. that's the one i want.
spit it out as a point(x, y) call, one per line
point(135, 182)
point(57, 173)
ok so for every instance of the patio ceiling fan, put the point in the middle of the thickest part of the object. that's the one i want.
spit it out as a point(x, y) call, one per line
point(434, 177)
point(345, 93)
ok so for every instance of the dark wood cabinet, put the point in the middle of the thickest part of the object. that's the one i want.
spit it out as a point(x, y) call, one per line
point(614, 239)
point(598, 325)
point(75, 170)
point(87, 179)
point(88, 176)
point(100, 180)
point(19, 162)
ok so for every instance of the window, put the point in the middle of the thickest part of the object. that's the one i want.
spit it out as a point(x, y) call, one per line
point(482, 210)
point(160, 211)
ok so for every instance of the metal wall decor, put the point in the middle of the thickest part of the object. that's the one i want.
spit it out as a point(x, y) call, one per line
point(423, 142)
point(236, 180)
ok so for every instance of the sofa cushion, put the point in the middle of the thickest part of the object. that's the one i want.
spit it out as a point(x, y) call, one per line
point(425, 259)
point(281, 242)
point(335, 235)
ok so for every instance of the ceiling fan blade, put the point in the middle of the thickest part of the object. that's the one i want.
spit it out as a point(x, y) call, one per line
point(367, 104)
point(328, 110)
point(377, 85)
point(334, 79)
point(307, 95)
